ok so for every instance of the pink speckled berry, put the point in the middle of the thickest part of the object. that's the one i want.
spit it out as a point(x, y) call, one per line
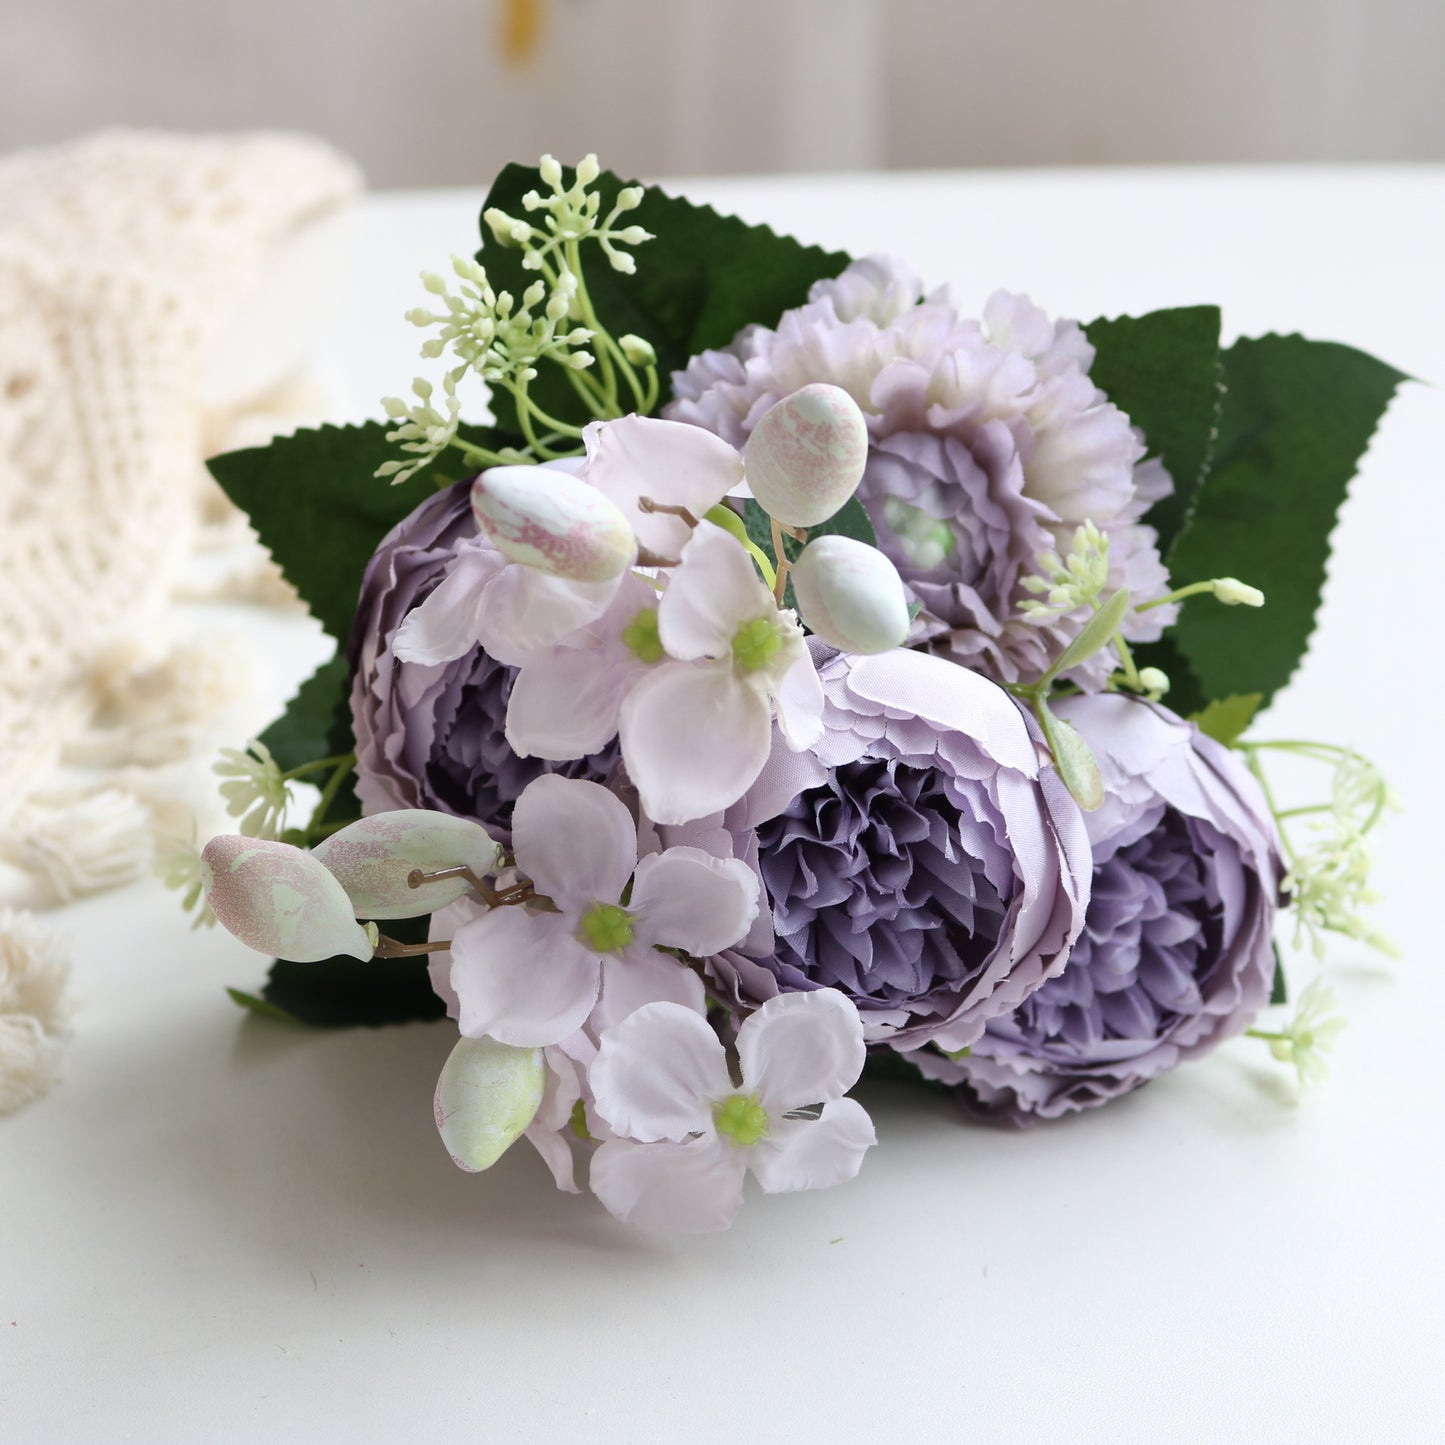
point(806, 456)
point(373, 858)
point(280, 900)
point(553, 521)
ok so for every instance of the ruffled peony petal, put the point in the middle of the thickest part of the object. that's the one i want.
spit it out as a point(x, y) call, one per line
point(800, 1049)
point(695, 1188)
point(522, 978)
point(667, 461)
point(575, 840)
point(1175, 955)
point(694, 738)
point(685, 898)
point(713, 593)
point(814, 1153)
point(658, 1072)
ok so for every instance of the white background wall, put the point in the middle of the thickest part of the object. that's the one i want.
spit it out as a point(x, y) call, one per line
point(419, 92)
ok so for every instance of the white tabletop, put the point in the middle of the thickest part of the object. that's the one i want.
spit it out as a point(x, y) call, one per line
point(222, 1228)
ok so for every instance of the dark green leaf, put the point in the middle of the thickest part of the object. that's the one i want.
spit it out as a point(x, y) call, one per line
point(1297, 417)
point(850, 520)
point(344, 992)
point(1226, 718)
point(1279, 989)
point(1163, 370)
point(1186, 694)
point(702, 279)
point(320, 511)
point(317, 721)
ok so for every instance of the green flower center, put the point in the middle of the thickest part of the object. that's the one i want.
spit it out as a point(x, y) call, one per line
point(741, 1119)
point(640, 635)
point(756, 643)
point(924, 538)
point(605, 928)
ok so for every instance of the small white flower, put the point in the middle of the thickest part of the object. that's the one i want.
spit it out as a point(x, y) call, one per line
point(687, 1135)
point(254, 789)
point(533, 978)
point(178, 865)
point(698, 728)
point(1311, 1034)
point(1328, 882)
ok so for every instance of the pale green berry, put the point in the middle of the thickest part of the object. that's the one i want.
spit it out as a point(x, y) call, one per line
point(851, 595)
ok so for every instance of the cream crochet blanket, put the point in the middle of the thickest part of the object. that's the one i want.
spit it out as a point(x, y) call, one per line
point(126, 263)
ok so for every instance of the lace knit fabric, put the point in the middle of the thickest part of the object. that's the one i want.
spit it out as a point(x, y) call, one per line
point(121, 258)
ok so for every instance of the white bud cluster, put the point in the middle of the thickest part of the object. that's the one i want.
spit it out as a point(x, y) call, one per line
point(1311, 1034)
point(425, 432)
point(1069, 583)
point(570, 215)
point(1328, 882)
point(254, 789)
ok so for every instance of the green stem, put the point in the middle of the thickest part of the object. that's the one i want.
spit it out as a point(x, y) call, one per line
point(1126, 658)
point(328, 794)
point(573, 256)
point(1193, 590)
point(318, 765)
point(480, 457)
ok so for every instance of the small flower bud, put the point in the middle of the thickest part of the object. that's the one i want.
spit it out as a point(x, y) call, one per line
point(280, 900)
point(588, 170)
point(550, 170)
point(851, 595)
point(637, 350)
point(806, 456)
point(1154, 680)
point(374, 857)
point(434, 283)
point(623, 263)
point(1234, 593)
point(629, 198)
point(486, 1096)
point(547, 519)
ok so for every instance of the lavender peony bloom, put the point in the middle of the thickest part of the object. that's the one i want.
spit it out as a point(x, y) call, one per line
point(989, 445)
point(920, 859)
point(431, 736)
point(1175, 955)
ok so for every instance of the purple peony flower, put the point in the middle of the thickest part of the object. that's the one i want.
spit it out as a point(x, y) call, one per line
point(990, 445)
point(920, 859)
point(1175, 955)
point(432, 736)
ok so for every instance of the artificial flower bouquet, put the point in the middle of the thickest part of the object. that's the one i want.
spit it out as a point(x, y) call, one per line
point(796, 675)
